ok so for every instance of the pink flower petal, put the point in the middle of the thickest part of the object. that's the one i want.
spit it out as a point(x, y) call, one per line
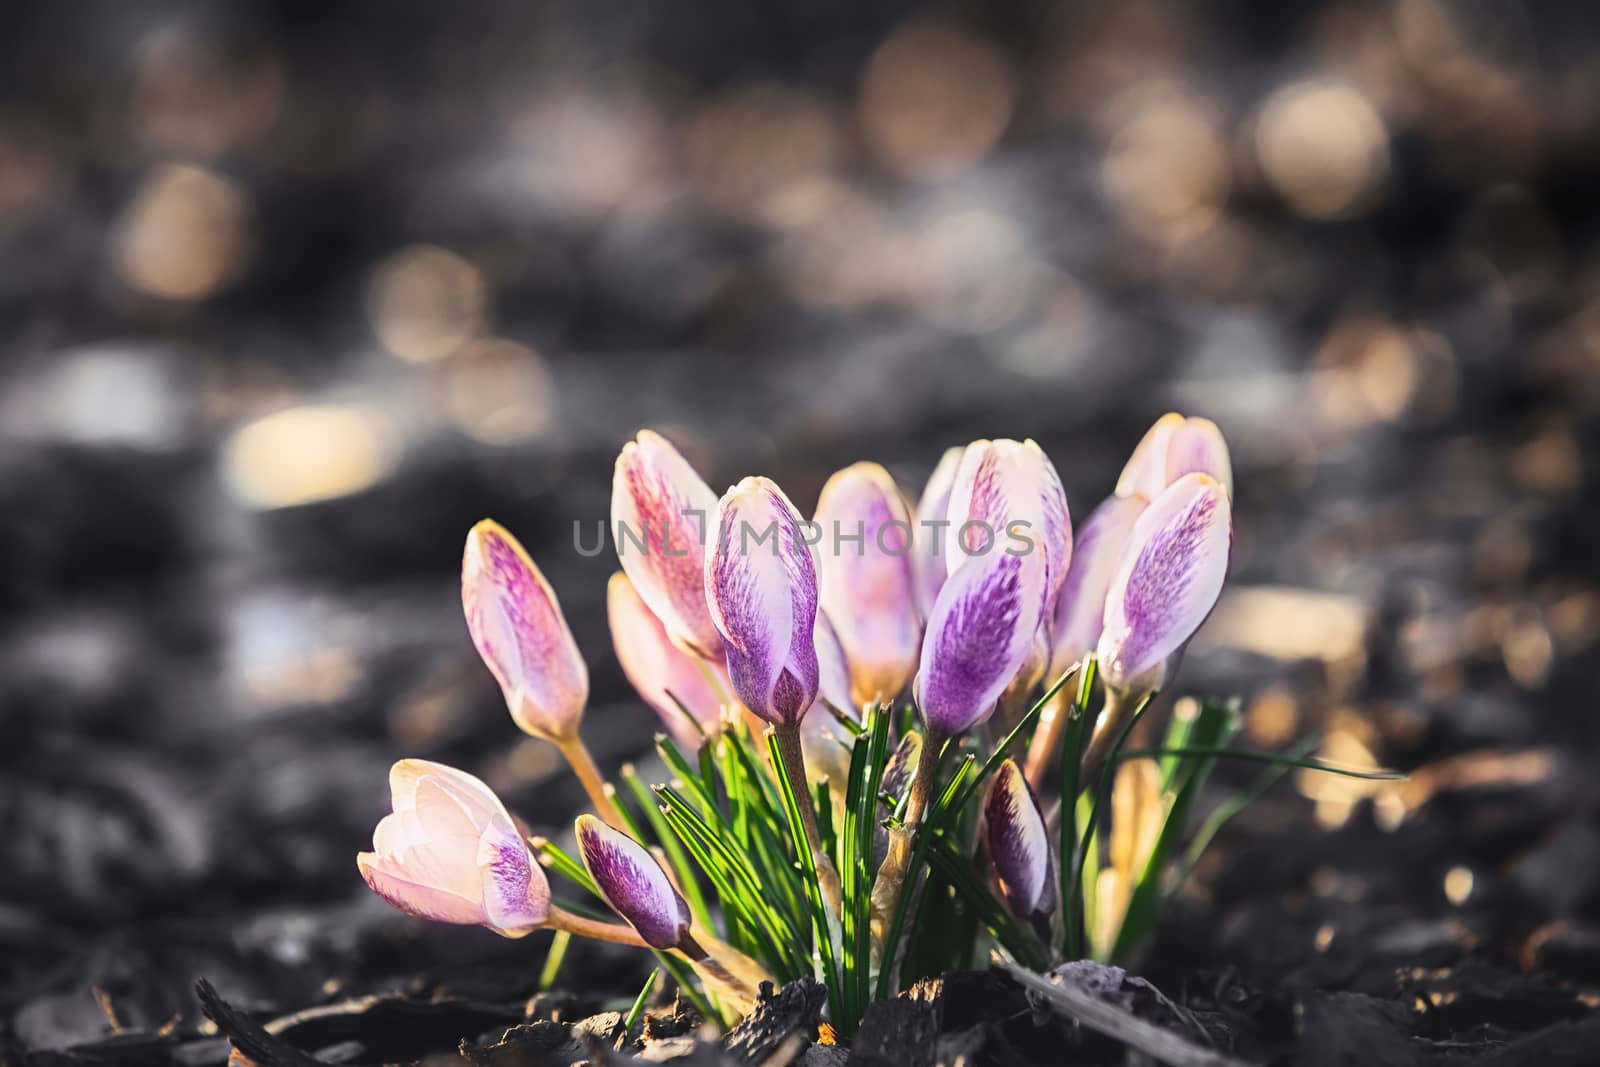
point(1145, 473)
point(932, 534)
point(1081, 607)
point(416, 898)
point(662, 515)
point(451, 852)
point(659, 669)
point(1172, 447)
point(866, 582)
point(1197, 447)
point(516, 623)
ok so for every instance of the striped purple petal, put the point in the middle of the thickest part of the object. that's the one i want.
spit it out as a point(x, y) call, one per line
point(1018, 841)
point(1007, 499)
point(516, 623)
point(761, 584)
point(979, 635)
point(865, 580)
point(1167, 582)
point(661, 518)
point(633, 883)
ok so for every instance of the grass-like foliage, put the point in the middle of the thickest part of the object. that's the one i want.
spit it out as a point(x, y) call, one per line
point(728, 827)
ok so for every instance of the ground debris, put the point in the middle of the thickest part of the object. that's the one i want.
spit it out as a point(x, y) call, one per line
point(780, 1027)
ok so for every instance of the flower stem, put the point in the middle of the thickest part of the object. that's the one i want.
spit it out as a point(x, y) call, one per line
point(1120, 706)
point(562, 919)
point(732, 966)
point(792, 752)
point(577, 756)
point(1047, 739)
point(891, 877)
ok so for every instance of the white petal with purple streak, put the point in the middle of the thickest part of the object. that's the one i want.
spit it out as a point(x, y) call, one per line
point(979, 635)
point(450, 852)
point(633, 883)
point(1018, 842)
point(517, 626)
point(661, 519)
point(761, 584)
point(1167, 583)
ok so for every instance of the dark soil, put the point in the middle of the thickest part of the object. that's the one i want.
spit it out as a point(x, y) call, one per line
point(200, 697)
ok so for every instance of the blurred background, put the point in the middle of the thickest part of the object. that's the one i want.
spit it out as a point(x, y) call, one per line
point(292, 294)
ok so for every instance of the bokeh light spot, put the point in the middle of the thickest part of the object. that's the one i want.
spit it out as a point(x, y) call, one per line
point(306, 454)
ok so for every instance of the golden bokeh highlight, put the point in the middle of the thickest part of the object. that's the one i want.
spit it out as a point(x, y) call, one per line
point(935, 99)
point(1322, 148)
point(309, 453)
point(1366, 370)
point(184, 235)
point(499, 392)
point(1458, 882)
point(1166, 171)
point(426, 302)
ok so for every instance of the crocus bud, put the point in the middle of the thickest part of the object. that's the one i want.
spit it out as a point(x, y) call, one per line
point(931, 537)
point(516, 623)
point(1168, 581)
point(1018, 842)
point(1171, 448)
point(451, 852)
point(661, 512)
point(660, 670)
point(1007, 499)
point(1081, 608)
point(761, 584)
point(866, 582)
point(982, 629)
point(633, 883)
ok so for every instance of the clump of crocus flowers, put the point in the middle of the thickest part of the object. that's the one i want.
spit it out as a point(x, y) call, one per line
point(891, 731)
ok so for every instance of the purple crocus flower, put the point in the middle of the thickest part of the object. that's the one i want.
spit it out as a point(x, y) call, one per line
point(1018, 842)
point(519, 630)
point(633, 883)
point(761, 585)
point(1167, 583)
point(661, 514)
